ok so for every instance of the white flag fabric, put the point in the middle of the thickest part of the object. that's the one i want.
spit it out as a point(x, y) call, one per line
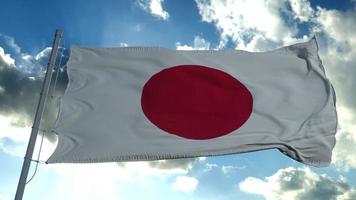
point(147, 103)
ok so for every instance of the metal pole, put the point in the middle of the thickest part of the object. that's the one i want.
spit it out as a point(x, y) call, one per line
point(38, 115)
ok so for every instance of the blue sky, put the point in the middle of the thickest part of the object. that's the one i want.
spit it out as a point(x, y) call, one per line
point(26, 32)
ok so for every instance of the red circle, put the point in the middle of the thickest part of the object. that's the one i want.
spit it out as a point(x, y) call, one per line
point(196, 102)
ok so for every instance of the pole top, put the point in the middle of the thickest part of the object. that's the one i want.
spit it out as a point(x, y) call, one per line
point(59, 33)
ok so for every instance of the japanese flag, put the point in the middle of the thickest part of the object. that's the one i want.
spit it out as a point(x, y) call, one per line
point(145, 103)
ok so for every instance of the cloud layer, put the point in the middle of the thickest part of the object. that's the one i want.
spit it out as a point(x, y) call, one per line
point(252, 25)
point(199, 43)
point(299, 184)
point(21, 77)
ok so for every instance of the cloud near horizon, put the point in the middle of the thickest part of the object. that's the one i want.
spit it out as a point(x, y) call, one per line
point(299, 184)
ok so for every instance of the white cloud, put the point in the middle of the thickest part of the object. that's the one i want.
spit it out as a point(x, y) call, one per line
point(13, 138)
point(14, 123)
point(344, 152)
point(345, 149)
point(172, 166)
point(112, 180)
point(44, 53)
point(154, 7)
point(108, 181)
point(3, 197)
point(199, 43)
point(338, 53)
point(226, 169)
point(238, 20)
point(5, 59)
point(123, 44)
point(25, 63)
point(15, 132)
point(185, 184)
point(17, 98)
point(298, 184)
point(27, 57)
point(179, 46)
point(10, 41)
point(93, 181)
point(302, 10)
point(202, 159)
point(208, 167)
point(254, 186)
point(35, 65)
point(333, 24)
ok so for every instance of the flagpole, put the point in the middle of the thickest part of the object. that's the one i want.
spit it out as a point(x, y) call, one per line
point(36, 124)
